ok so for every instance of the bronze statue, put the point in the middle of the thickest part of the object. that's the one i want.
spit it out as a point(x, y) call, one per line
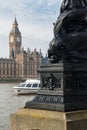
point(70, 33)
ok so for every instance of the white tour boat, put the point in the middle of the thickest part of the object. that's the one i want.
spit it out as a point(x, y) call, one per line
point(30, 86)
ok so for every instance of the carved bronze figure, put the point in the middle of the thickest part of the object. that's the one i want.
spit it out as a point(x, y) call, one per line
point(70, 32)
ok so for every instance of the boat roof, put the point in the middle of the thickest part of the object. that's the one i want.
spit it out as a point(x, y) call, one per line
point(33, 80)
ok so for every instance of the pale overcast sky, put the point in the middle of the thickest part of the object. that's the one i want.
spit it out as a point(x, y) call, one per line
point(35, 19)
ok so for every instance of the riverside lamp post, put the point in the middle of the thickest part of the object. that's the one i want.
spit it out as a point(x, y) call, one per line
point(64, 78)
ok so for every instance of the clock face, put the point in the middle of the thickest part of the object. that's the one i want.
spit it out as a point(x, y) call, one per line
point(11, 39)
point(18, 39)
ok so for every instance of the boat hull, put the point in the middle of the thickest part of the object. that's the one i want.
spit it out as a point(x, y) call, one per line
point(21, 91)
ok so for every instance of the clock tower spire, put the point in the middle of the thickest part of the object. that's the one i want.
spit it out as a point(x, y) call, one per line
point(15, 40)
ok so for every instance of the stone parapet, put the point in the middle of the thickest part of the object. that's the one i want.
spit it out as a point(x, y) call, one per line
point(35, 119)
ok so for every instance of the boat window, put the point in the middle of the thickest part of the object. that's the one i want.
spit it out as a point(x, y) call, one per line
point(28, 85)
point(22, 85)
point(35, 85)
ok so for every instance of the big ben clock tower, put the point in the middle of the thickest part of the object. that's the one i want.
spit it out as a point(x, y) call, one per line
point(14, 40)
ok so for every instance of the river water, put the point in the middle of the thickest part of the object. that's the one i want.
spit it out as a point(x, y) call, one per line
point(10, 103)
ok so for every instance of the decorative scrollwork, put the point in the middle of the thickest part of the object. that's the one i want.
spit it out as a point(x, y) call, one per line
point(81, 83)
point(52, 82)
point(48, 99)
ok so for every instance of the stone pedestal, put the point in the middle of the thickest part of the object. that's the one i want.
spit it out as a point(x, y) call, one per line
point(33, 119)
point(63, 87)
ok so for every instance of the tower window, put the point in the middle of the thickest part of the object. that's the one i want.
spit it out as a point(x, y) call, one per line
point(12, 53)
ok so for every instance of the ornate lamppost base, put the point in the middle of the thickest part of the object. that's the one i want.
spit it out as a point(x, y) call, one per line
point(63, 88)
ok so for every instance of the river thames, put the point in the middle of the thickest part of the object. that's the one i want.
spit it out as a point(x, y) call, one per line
point(10, 103)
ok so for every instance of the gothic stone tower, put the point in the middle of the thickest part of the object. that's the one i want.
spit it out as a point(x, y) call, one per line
point(15, 40)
